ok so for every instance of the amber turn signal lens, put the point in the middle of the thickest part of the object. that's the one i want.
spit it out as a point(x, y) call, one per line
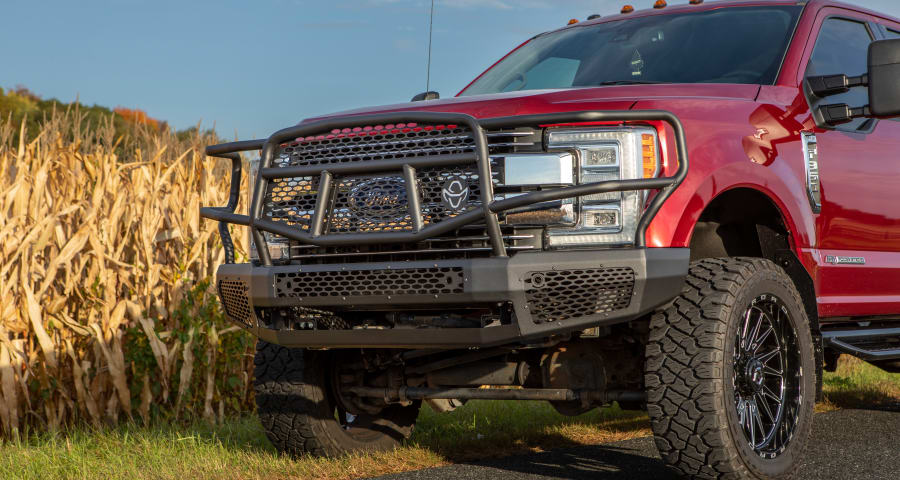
point(648, 152)
point(627, 9)
point(660, 4)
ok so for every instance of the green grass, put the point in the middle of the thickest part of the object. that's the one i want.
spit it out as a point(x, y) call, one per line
point(857, 384)
point(239, 450)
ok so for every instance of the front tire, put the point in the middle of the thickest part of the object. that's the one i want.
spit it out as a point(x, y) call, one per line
point(730, 373)
point(296, 406)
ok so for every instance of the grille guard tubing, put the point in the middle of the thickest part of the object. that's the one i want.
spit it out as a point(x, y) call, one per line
point(481, 157)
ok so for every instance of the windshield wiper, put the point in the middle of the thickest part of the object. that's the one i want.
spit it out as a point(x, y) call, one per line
point(629, 82)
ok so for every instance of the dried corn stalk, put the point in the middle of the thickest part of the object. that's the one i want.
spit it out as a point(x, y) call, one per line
point(101, 252)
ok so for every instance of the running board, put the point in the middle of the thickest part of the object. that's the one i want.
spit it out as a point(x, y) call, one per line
point(867, 344)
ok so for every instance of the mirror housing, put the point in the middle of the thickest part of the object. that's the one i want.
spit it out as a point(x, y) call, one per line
point(426, 96)
point(884, 78)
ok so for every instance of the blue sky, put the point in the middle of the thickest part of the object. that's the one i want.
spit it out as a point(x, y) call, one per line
point(252, 67)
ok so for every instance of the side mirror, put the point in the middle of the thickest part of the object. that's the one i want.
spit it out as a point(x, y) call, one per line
point(426, 96)
point(884, 78)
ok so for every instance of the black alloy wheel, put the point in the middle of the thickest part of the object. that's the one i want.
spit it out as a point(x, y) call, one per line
point(766, 377)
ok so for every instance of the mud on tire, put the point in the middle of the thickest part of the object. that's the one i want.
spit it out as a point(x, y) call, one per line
point(299, 415)
point(704, 374)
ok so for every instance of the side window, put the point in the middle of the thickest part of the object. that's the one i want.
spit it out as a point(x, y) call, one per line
point(842, 47)
point(891, 34)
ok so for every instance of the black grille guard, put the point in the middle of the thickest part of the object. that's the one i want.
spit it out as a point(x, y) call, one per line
point(480, 156)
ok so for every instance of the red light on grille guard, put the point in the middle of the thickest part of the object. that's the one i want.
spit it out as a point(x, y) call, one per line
point(370, 130)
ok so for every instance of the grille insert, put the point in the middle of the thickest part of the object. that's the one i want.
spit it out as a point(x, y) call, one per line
point(560, 295)
point(418, 281)
point(235, 301)
point(376, 142)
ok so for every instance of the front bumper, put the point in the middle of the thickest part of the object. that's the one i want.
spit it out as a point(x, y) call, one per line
point(550, 293)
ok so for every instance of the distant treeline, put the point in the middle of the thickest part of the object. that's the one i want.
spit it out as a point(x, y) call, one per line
point(20, 103)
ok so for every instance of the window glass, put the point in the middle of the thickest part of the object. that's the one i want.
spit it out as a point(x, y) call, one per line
point(549, 73)
point(891, 34)
point(843, 47)
point(698, 47)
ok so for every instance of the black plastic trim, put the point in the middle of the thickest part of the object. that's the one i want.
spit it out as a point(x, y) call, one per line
point(659, 277)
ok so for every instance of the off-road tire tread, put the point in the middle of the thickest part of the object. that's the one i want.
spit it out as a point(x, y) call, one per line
point(683, 374)
point(279, 374)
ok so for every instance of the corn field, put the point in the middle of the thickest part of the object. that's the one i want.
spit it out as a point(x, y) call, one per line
point(105, 298)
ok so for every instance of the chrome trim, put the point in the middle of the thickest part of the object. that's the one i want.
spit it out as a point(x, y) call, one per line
point(537, 169)
point(839, 260)
point(811, 167)
point(512, 144)
point(509, 134)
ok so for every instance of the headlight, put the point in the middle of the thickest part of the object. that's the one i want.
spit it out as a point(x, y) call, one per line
point(279, 247)
point(621, 153)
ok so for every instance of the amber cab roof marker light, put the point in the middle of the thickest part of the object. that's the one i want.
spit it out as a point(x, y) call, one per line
point(627, 9)
point(573, 21)
point(660, 4)
point(696, 2)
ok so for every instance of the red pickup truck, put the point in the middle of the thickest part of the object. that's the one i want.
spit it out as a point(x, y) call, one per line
point(686, 209)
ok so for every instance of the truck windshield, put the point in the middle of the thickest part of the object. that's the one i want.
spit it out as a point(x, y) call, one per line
point(728, 45)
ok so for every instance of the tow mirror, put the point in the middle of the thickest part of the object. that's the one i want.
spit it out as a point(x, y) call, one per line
point(882, 80)
point(426, 96)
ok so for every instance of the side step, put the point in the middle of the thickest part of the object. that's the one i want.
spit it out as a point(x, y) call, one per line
point(868, 344)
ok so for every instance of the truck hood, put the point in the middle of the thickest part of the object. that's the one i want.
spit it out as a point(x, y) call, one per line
point(622, 97)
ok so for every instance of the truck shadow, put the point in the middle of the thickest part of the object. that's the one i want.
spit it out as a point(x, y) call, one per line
point(626, 460)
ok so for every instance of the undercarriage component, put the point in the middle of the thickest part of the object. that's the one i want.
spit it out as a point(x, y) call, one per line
point(404, 394)
point(444, 405)
point(482, 373)
point(578, 366)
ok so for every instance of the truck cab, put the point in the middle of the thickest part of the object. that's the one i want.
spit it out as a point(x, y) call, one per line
point(686, 209)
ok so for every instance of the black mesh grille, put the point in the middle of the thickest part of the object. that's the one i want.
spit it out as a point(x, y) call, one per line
point(376, 142)
point(292, 200)
point(559, 295)
point(234, 298)
point(379, 203)
point(372, 203)
point(419, 281)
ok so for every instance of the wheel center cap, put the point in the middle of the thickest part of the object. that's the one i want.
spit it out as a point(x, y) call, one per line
point(753, 374)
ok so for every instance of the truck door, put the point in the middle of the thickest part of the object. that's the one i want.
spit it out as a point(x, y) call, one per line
point(858, 227)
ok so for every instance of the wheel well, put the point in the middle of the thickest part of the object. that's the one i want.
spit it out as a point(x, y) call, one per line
point(739, 223)
point(746, 223)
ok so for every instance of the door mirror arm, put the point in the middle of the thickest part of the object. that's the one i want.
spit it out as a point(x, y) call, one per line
point(827, 85)
point(882, 80)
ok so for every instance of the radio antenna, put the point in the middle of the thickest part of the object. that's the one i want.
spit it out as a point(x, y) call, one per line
point(430, 31)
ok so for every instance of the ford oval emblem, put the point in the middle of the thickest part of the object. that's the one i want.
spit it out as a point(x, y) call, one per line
point(381, 198)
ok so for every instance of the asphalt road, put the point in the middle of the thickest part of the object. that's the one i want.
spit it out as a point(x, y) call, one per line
point(845, 445)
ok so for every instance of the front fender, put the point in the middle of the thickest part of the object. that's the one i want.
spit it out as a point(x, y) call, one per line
point(735, 144)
